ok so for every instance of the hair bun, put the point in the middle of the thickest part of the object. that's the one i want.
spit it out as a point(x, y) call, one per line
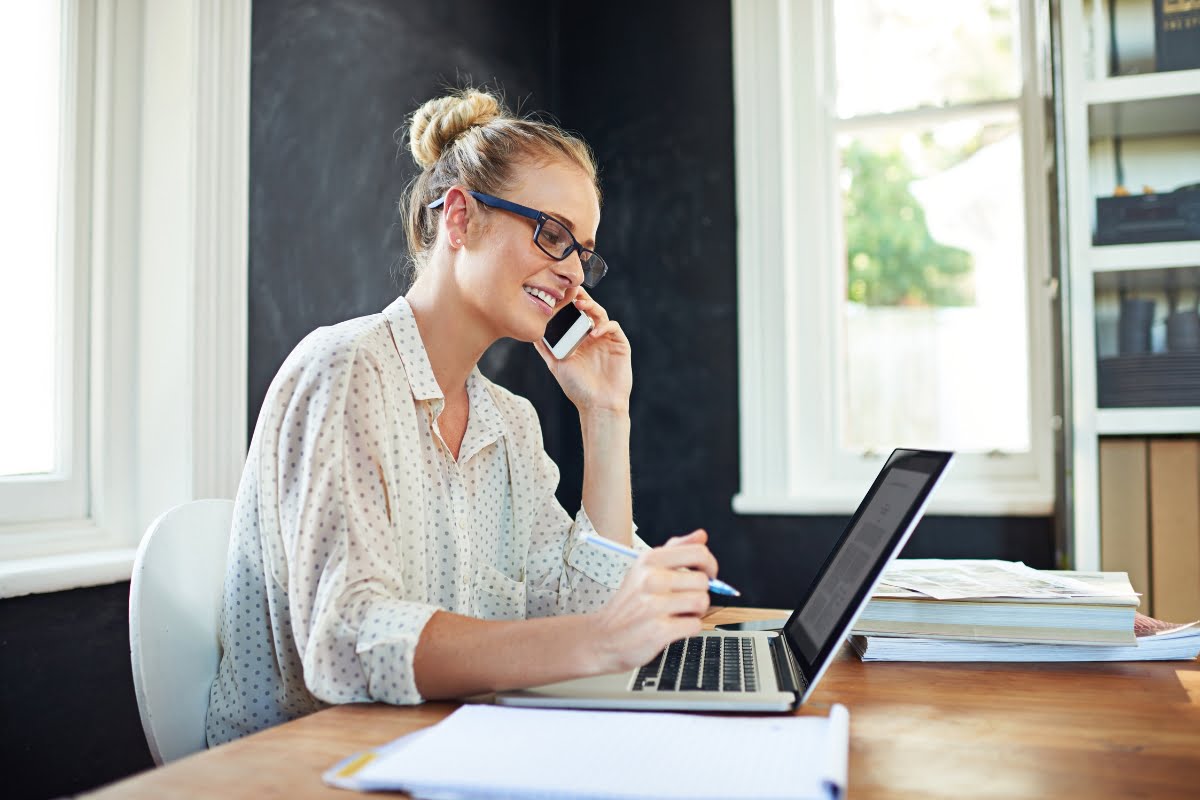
point(437, 123)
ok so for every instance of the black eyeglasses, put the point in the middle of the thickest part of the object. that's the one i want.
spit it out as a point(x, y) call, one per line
point(551, 236)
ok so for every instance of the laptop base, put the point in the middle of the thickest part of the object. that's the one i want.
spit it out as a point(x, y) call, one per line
point(754, 625)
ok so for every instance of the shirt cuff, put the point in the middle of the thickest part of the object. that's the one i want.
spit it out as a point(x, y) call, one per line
point(386, 644)
point(602, 565)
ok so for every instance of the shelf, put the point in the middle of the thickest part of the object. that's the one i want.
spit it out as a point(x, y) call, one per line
point(1141, 421)
point(1157, 104)
point(1151, 86)
point(1148, 280)
point(1159, 255)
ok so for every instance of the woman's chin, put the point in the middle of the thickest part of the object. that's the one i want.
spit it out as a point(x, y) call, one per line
point(532, 333)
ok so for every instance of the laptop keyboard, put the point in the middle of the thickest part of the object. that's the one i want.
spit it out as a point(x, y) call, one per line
point(701, 663)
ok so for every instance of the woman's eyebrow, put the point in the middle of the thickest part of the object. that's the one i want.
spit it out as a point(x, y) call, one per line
point(589, 244)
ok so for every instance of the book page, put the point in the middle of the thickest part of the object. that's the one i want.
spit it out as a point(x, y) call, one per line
point(956, 579)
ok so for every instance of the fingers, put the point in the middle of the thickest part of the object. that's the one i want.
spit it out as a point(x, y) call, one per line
point(610, 328)
point(655, 606)
point(685, 604)
point(698, 536)
point(585, 303)
point(683, 556)
point(673, 592)
point(661, 581)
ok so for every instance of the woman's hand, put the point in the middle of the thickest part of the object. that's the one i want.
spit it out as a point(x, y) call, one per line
point(1146, 626)
point(598, 376)
point(663, 598)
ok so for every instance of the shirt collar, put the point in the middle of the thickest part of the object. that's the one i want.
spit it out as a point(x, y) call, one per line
point(421, 381)
point(485, 424)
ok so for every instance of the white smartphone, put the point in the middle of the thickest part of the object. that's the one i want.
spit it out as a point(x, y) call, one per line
point(566, 330)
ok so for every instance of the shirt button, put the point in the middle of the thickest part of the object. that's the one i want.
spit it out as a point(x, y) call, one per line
point(462, 526)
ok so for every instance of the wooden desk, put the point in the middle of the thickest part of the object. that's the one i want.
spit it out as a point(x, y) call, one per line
point(916, 730)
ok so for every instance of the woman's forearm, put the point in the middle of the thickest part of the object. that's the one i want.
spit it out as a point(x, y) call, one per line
point(607, 495)
point(458, 656)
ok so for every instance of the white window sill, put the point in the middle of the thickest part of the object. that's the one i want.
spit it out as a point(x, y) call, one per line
point(62, 572)
point(1011, 502)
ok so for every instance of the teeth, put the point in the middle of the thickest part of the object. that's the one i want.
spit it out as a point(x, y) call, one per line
point(545, 297)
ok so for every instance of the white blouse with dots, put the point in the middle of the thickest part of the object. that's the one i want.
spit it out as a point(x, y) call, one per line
point(354, 524)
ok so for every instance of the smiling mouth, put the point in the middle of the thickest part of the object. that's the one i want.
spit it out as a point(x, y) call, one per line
point(545, 297)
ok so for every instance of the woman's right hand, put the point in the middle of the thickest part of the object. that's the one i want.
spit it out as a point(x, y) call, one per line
point(663, 598)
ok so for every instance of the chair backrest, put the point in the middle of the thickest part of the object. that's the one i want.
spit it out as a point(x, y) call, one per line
point(174, 605)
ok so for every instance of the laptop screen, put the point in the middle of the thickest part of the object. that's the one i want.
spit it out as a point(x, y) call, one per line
point(876, 532)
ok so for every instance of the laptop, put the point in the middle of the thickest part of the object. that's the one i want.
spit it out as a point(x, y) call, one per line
point(771, 670)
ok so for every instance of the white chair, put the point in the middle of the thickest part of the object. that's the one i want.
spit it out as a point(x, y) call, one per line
point(174, 603)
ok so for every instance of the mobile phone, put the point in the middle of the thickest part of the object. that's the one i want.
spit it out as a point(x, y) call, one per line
point(566, 330)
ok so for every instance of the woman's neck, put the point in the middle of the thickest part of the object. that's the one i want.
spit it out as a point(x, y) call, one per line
point(450, 330)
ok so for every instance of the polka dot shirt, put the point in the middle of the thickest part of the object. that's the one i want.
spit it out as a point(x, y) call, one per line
point(354, 523)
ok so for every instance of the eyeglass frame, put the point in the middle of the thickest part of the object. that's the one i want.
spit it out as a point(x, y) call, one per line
point(540, 217)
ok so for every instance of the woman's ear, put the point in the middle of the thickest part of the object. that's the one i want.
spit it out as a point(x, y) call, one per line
point(456, 214)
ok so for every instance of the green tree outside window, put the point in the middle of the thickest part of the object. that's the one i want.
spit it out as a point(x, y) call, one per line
point(891, 258)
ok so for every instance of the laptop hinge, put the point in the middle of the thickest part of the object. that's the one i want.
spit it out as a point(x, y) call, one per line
point(786, 670)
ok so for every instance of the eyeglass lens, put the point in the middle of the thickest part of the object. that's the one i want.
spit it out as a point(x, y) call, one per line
point(558, 242)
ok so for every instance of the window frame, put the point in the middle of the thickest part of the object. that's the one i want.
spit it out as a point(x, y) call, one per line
point(63, 492)
point(788, 341)
point(164, 232)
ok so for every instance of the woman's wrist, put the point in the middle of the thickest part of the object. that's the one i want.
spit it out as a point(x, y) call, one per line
point(605, 438)
point(591, 652)
point(604, 415)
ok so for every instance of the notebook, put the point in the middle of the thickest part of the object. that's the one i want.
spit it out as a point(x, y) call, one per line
point(488, 752)
point(772, 670)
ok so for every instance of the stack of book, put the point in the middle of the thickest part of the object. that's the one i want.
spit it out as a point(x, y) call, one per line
point(964, 610)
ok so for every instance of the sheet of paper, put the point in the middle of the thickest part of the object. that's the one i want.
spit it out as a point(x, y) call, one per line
point(1177, 629)
point(951, 579)
point(1180, 643)
point(489, 751)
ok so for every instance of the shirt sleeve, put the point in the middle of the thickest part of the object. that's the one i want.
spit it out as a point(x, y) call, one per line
point(355, 632)
point(566, 575)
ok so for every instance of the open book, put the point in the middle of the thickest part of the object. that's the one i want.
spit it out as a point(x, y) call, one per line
point(497, 751)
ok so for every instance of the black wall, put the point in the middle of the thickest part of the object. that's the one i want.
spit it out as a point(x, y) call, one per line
point(656, 103)
point(68, 717)
point(649, 85)
point(332, 85)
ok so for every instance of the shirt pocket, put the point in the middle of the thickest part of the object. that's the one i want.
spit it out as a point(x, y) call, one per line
point(498, 596)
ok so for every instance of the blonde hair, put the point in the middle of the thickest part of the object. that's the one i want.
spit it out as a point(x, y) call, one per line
point(470, 139)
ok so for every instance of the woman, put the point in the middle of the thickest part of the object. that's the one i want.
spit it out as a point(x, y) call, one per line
point(396, 537)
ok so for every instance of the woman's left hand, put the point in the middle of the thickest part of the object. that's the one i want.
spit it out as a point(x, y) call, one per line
point(598, 376)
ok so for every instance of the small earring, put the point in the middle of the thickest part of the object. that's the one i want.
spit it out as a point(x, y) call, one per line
point(458, 241)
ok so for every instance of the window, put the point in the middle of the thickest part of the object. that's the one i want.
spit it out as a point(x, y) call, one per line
point(893, 253)
point(43, 291)
point(123, 290)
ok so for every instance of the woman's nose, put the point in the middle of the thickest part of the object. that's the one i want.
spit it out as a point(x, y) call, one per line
point(571, 268)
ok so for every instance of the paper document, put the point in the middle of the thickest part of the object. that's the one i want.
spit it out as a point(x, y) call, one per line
point(956, 579)
point(1175, 643)
point(499, 751)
